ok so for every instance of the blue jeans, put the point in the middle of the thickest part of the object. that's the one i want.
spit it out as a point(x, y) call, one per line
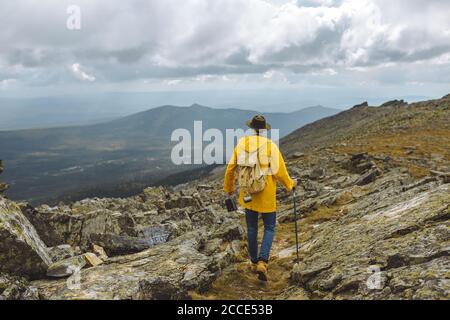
point(270, 220)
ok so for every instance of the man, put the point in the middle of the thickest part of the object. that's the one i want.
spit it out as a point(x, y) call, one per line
point(262, 203)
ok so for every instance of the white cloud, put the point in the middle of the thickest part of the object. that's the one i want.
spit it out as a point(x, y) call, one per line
point(6, 83)
point(199, 41)
point(77, 71)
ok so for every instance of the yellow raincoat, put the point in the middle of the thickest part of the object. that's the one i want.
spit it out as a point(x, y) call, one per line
point(271, 161)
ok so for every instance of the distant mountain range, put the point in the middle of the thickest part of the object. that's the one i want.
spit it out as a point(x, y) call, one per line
point(119, 157)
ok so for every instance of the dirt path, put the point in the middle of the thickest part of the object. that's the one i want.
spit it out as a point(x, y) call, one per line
point(238, 282)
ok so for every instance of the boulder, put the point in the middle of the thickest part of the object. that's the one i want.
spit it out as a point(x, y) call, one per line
point(362, 105)
point(61, 252)
point(3, 187)
point(317, 173)
point(116, 245)
point(16, 288)
point(22, 252)
point(67, 267)
point(92, 260)
point(368, 177)
point(297, 155)
point(45, 230)
point(100, 252)
point(394, 103)
point(183, 202)
point(167, 271)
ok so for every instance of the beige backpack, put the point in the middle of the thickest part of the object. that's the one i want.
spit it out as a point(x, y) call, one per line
point(251, 178)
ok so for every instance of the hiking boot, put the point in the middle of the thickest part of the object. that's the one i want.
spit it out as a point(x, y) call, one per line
point(261, 269)
point(253, 267)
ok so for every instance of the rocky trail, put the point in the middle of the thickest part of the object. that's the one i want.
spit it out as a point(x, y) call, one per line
point(374, 224)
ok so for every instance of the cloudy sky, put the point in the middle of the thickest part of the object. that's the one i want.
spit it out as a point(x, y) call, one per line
point(359, 47)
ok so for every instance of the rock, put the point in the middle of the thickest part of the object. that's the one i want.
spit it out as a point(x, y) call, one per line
point(445, 176)
point(302, 274)
point(16, 288)
point(297, 155)
point(182, 202)
point(167, 271)
point(67, 267)
point(45, 231)
point(229, 232)
point(115, 245)
point(3, 187)
point(161, 288)
point(22, 252)
point(61, 252)
point(153, 194)
point(317, 173)
point(394, 103)
point(92, 260)
point(368, 177)
point(362, 105)
point(205, 187)
point(100, 252)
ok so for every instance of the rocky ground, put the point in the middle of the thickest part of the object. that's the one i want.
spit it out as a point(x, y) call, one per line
point(374, 204)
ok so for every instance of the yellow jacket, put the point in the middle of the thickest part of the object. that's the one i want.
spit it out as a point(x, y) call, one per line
point(269, 158)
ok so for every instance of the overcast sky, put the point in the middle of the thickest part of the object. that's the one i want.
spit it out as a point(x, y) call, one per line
point(363, 47)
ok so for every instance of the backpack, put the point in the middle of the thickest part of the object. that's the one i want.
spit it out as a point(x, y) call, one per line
point(251, 178)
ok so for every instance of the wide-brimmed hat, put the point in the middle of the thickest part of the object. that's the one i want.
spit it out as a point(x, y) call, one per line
point(258, 123)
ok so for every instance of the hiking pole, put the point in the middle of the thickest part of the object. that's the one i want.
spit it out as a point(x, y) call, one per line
point(295, 219)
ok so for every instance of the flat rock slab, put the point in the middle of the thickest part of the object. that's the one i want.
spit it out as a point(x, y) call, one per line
point(178, 267)
point(22, 252)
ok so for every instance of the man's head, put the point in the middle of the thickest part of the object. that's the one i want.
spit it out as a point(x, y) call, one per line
point(258, 123)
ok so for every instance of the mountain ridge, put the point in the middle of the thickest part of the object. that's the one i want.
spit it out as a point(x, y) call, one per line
point(132, 150)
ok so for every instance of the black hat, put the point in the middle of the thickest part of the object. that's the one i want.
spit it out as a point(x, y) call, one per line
point(258, 123)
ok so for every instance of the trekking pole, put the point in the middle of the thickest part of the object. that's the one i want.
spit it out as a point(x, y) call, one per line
point(296, 225)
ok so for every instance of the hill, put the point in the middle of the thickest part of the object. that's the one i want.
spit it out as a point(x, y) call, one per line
point(374, 224)
point(116, 158)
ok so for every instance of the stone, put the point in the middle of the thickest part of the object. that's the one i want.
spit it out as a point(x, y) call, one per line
point(22, 252)
point(394, 103)
point(45, 230)
point(16, 288)
point(61, 252)
point(230, 232)
point(368, 177)
point(3, 187)
point(297, 155)
point(115, 245)
point(317, 173)
point(66, 267)
point(168, 271)
point(100, 252)
point(362, 105)
point(205, 187)
point(92, 260)
point(182, 202)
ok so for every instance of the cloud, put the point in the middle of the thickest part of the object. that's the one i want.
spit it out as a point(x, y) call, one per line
point(80, 74)
point(6, 83)
point(209, 40)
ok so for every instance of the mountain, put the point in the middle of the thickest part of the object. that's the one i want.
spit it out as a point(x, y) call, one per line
point(119, 157)
point(374, 195)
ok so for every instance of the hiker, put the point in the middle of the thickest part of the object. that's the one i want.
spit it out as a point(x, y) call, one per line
point(258, 164)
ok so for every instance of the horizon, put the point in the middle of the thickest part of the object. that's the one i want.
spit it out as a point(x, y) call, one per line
point(294, 54)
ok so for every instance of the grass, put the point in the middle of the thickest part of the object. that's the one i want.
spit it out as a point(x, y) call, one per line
point(238, 282)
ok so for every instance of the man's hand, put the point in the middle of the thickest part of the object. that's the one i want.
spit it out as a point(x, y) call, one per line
point(295, 184)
